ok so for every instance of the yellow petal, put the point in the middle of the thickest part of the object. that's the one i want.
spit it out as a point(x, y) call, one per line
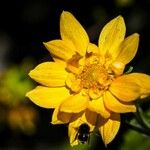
point(117, 68)
point(95, 93)
point(116, 106)
point(92, 48)
point(71, 30)
point(98, 106)
point(109, 128)
point(72, 132)
point(49, 74)
point(60, 117)
point(73, 129)
point(142, 80)
point(125, 89)
point(128, 49)
point(55, 119)
point(86, 117)
point(74, 104)
point(111, 36)
point(60, 61)
point(48, 97)
point(62, 49)
point(70, 79)
point(76, 86)
point(73, 65)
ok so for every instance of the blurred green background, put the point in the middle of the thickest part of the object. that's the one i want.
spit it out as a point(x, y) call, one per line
point(24, 25)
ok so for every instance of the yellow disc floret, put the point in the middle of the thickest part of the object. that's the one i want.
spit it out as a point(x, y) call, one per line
point(93, 77)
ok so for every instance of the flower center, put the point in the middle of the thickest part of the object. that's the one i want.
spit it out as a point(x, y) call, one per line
point(93, 79)
point(93, 76)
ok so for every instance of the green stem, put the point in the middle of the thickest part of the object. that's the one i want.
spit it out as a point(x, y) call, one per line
point(138, 129)
point(140, 119)
point(143, 128)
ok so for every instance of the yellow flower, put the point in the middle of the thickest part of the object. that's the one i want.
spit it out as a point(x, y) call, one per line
point(86, 83)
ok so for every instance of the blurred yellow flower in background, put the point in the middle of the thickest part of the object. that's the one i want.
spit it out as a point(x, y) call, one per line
point(15, 111)
point(87, 83)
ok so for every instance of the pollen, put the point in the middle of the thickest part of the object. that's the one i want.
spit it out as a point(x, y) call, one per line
point(94, 78)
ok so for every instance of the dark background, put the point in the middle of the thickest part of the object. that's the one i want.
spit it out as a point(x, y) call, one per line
point(25, 24)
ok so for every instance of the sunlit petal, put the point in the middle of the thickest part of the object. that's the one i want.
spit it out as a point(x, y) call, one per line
point(48, 97)
point(98, 106)
point(62, 49)
point(142, 80)
point(128, 49)
point(92, 48)
point(117, 106)
point(60, 61)
point(71, 30)
point(72, 133)
point(125, 89)
point(49, 74)
point(111, 36)
point(109, 128)
point(60, 117)
point(74, 104)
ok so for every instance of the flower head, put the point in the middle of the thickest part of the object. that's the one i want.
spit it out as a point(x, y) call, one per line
point(86, 83)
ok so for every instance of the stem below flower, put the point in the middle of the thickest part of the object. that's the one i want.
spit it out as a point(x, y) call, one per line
point(139, 118)
point(138, 129)
point(142, 126)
